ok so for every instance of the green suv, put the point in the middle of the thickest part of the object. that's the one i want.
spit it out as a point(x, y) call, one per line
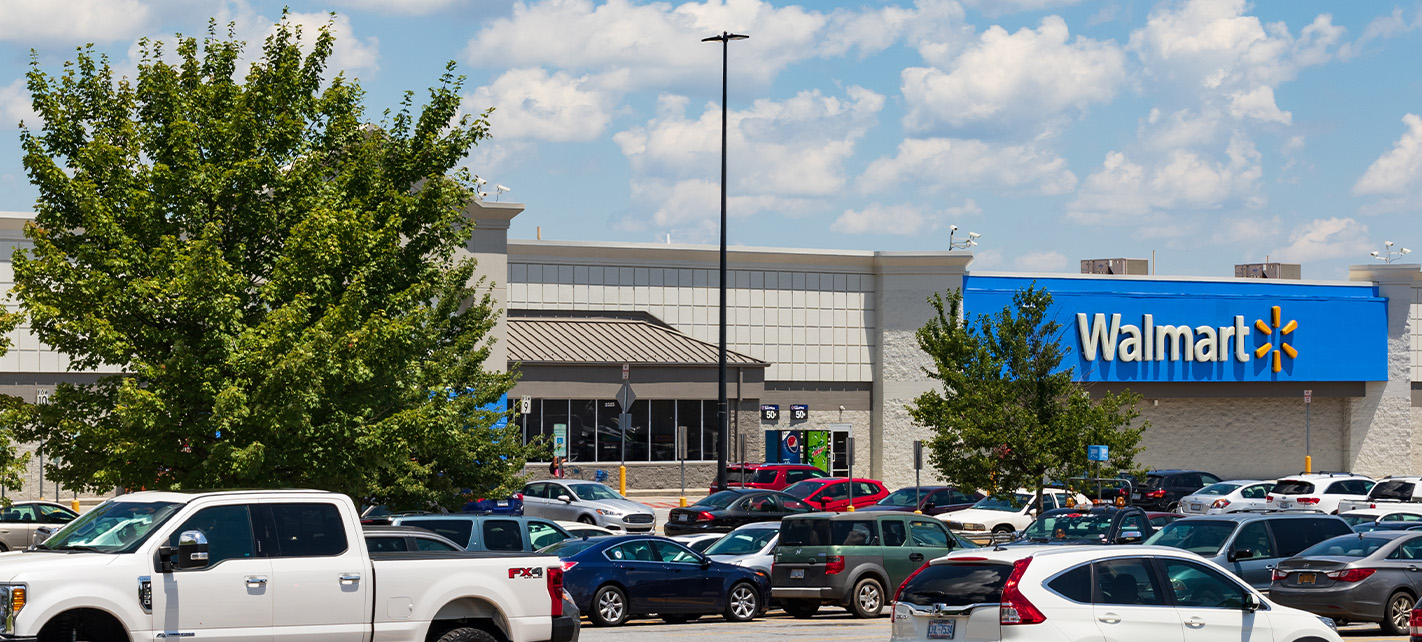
point(854, 560)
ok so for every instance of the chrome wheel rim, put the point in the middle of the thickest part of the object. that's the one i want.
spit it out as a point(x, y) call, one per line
point(743, 602)
point(1401, 609)
point(609, 606)
point(869, 598)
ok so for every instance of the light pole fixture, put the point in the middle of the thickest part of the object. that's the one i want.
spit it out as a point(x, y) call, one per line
point(1388, 255)
point(723, 416)
point(964, 244)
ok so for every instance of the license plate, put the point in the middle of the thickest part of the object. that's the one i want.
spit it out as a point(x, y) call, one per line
point(1283, 504)
point(503, 502)
point(1197, 507)
point(683, 517)
point(941, 629)
point(797, 573)
point(1135, 495)
point(1306, 578)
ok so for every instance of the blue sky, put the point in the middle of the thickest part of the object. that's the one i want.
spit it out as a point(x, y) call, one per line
point(1211, 132)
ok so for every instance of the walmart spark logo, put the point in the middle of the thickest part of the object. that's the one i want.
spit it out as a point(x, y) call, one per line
point(1266, 330)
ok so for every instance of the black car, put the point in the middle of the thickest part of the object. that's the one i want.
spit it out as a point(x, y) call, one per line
point(930, 500)
point(724, 511)
point(1162, 489)
point(1091, 525)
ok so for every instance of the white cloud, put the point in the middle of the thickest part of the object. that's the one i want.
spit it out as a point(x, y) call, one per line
point(1257, 103)
point(787, 156)
point(1397, 169)
point(72, 21)
point(966, 162)
point(1045, 261)
point(1007, 80)
point(1123, 192)
point(408, 7)
point(531, 103)
point(1389, 26)
point(15, 106)
point(1325, 238)
point(350, 53)
point(878, 218)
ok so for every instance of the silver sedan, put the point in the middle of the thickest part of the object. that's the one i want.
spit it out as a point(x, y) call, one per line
point(1363, 577)
point(589, 503)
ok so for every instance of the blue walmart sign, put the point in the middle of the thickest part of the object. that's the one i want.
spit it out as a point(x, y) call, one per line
point(1152, 330)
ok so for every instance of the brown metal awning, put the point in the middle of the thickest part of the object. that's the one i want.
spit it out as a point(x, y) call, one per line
point(590, 340)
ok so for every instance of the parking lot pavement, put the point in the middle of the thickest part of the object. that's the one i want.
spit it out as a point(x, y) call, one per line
point(840, 627)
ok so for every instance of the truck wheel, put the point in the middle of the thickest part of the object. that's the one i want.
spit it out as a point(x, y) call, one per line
point(800, 609)
point(466, 634)
point(868, 598)
point(609, 607)
point(743, 604)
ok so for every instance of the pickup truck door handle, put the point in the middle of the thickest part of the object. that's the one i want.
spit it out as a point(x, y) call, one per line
point(1110, 618)
point(350, 578)
point(255, 580)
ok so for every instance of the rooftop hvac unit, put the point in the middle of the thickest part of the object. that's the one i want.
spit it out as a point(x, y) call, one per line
point(1268, 271)
point(1115, 266)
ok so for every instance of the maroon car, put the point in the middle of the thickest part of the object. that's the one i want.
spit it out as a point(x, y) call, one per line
point(930, 500)
point(769, 476)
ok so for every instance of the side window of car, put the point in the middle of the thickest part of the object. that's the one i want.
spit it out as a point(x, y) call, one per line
point(926, 533)
point(1254, 537)
point(228, 530)
point(1199, 586)
point(1133, 522)
point(1130, 581)
point(1050, 501)
point(20, 514)
point(793, 476)
point(427, 544)
point(673, 554)
point(55, 515)
point(942, 497)
point(865, 489)
point(502, 535)
point(894, 533)
point(542, 534)
point(1292, 536)
point(835, 492)
point(1074, 584)
point(539, 491)
point(1206, 479)
point(759, 504)
point(1185, 480)
point(1409, 550)
point(1400, 517)
point(1257, 491)
point(636, 551)
point(1339, 488)
point(456, 530)
point(308, 530)
point(959, 497)
point(790, 504)
point(383, 544)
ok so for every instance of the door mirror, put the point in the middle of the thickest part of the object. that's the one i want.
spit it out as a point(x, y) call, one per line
point(705, 563)
point(192, 550)
point(928, 506)
point(1128, 537)
point(1239, 554)
point(1252, 603)
point(565, 499)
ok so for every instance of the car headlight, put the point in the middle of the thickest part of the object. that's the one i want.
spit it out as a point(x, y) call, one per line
point(610, 513)
point(12, 601)
point(1328, 622)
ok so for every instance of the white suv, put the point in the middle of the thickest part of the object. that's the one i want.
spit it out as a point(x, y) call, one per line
point(999, 516)
point(1396, 491)
point(1317, 491)
point(1080, 593)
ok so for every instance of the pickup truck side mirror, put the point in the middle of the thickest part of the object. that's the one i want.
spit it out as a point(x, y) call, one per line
point(565, 499)
point(192, 550)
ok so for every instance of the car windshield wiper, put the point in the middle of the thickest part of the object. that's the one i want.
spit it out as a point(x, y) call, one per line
point(81, 548)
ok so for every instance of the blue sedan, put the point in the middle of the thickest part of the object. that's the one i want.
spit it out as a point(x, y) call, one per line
point(613, 578)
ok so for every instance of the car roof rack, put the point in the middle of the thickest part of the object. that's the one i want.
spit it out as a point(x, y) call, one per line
point(1326, 473)
point(1280, 511)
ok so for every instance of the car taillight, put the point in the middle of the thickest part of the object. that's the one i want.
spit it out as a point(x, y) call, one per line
point(907, 580)
point(1268, 498)
point(1220, 503)
point(1015, 608)
point(1280, 575)
point(568, 566)
point(1156, 494)
point(555, 589)
point(1351, 575)
point(834, 564)
point(1414, 623)
point(704, 516)
point(1308, 500)
point(518, 496)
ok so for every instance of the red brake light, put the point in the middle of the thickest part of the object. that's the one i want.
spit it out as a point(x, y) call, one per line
point(1220, 503)
point(518, 496)
point(1308, 500)
point(907, 580)
point(1156, 494)
point(704, 516)
point(834, 564)
point(1268, 498)
point(1015, 608)
point(1352, 574)
point(555, 589)
point(1414, 623)
point(1280, 575)
point(568, 566)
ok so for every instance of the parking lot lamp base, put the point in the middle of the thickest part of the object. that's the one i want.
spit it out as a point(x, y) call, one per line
point(1308, 464)
point(622, 480)
point(683, 501)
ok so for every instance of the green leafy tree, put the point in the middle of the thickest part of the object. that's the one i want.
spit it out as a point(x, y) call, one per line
point(1008, 416)
point(280, 281)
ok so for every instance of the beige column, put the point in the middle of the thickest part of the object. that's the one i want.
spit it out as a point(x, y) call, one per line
point(489, 245)
point(1380, 434)
point(903, 283)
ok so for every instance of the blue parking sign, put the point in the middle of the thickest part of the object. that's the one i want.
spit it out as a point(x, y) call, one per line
point(1096, 453)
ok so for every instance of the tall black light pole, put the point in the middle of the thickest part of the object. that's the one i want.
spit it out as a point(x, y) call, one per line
point(723, 416)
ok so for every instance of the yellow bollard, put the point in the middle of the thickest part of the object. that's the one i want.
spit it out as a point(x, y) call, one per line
point(683, 501)
point(622, 480)
point(1308, 464)
point(851, 508)
point(918, 512)
point(74, 505)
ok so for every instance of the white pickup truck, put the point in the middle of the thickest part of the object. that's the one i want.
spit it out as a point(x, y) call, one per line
point(264, 566)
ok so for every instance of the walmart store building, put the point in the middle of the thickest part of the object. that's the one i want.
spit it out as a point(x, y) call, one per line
point(1222, 363)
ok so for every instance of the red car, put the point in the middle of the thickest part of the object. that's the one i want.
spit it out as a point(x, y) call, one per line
point(768, 476)
point(833, 493)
